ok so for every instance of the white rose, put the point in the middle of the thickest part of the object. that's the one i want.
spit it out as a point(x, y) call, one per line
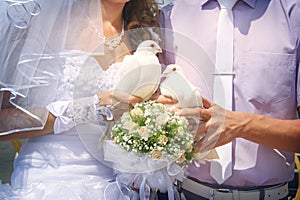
point(129, 125)
point(144, 132)
point(163, 139)
point(136, 112)
point(156, 154)
point(181, 159)
point(162, 119)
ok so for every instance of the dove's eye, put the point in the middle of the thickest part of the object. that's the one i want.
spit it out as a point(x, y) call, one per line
point(174, 69)
point(152, 45)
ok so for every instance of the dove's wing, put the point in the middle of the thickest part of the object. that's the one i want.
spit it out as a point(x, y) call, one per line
point(139, 75)
point(129, 63)
point(185, 91)
point(167, 91)
point(150, 73)
point(129, 74)
point(173, 86)
point(169, 85)
point(177, 86)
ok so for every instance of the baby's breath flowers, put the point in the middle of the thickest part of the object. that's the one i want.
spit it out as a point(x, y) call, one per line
point(149, 128)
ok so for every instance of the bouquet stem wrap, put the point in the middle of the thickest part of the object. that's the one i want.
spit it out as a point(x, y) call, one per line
point(139, 176)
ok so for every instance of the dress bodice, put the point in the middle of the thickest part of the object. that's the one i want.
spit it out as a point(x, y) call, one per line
point(82, 76)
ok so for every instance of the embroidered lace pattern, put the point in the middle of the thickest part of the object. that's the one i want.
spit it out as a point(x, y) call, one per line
point(81, 78)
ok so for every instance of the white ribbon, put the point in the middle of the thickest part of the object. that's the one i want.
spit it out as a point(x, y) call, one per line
point(141, 171)
point(62, 123)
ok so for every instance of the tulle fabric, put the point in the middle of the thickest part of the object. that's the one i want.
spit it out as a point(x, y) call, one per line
point(136, 172)
point(57, 167)
point(36, 37)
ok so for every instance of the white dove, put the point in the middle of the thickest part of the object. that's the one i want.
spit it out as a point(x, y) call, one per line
point(140, 73)
point(177, 86)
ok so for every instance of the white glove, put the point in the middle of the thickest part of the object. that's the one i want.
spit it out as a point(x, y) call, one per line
point(72, 112)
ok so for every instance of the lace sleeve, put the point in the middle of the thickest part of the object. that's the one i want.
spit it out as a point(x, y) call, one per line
point(72, 112)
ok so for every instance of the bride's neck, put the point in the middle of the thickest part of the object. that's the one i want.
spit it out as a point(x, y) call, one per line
point(112, 17)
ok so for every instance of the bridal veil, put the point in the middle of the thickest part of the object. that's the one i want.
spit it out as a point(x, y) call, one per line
point(35, 36)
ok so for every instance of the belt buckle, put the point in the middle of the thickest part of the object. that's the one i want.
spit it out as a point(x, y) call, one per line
point(221, 191)
point(224, 190)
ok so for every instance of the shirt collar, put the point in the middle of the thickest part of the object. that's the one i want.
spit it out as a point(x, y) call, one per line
point(251, 3)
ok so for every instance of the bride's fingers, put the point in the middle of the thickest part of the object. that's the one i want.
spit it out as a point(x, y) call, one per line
point(166, 100)
point(134, 99)
point(123, 96)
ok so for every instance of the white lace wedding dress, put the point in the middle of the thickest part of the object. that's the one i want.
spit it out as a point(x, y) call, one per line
point(58, 166)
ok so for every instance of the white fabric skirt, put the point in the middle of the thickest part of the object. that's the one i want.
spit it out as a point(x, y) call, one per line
point(56, 167)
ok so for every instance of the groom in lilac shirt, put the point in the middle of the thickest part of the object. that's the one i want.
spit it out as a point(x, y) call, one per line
point(266, 61)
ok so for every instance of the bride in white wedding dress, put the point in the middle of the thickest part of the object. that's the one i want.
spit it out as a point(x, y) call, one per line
point(54, 88)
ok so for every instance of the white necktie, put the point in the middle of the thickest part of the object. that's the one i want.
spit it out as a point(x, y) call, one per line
point(221, 169)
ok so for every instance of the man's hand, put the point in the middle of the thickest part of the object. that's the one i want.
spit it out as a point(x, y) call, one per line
point(217, 126)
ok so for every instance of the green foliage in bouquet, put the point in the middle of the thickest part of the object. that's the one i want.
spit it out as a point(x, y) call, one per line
point(150, 128)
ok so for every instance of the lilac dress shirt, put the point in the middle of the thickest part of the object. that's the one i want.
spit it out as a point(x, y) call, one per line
point(266, 62)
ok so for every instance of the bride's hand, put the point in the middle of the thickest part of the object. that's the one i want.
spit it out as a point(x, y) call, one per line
point(165, 99)
point(120, 102)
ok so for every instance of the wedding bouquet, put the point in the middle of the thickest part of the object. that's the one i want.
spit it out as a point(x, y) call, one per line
point(150, 147)
point(149, 128)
